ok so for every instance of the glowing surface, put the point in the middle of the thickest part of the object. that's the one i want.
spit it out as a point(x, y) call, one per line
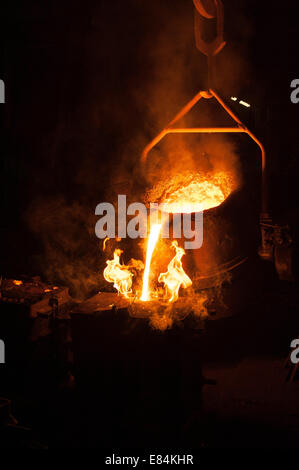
point(152, 240)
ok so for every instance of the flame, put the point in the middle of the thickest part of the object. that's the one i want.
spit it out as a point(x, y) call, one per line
point(193, 192)
point(104, 243)
point(152, 240)
point(118, 274)
point(17, 283)
point(175, 277)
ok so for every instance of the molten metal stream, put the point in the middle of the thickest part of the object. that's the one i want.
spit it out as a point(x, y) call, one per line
point(152, 240)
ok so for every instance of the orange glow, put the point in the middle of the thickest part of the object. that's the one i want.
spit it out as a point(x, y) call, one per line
point(152, 240)
point(104, 243)
point(118, 274)
point(17, 283)
point(175, 277)
point(197, 192)
point(161, 322)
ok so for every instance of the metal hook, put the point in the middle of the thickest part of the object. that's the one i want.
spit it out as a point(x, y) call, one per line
point(209, 10)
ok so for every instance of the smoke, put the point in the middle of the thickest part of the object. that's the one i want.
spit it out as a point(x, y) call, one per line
point(66, 232)
point(193, 305)
point(141, 66)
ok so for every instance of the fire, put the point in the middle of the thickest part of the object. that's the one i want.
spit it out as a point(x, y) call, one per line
point(118, 274)
point(104, 243)
point(175, 277)
point(17, 283)
point(152, 240)
point(161, 322)
point(193, 192)
point(185, 193)
point(118, 239)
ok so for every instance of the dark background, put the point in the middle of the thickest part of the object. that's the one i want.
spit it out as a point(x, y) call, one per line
point(88, 84)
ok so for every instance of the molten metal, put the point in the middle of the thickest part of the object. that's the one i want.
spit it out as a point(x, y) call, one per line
point(152, 240)
point(192, 192)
